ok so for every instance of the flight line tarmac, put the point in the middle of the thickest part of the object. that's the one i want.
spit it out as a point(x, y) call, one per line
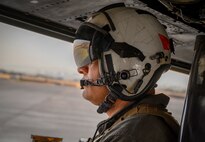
point(28, 108)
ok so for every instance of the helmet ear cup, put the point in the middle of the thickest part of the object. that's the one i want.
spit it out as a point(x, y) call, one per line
point(155, 77)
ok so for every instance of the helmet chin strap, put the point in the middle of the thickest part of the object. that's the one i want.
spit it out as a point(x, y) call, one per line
point(102, 81)
point(112, 96)
point(99, 82)
point(110, 99)
point(84, 82)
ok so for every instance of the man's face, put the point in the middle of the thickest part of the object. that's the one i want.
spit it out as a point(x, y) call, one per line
point(94, 94)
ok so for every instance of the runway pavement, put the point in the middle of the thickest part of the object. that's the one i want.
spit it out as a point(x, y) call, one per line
point(44, 109)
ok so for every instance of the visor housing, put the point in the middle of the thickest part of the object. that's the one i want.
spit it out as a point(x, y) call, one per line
point(91, 41)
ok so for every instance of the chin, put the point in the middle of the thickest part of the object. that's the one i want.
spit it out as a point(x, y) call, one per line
point(91, 99)
point(95, 95)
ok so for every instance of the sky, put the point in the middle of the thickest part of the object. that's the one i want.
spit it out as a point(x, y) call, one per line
point(25, 51)
point(29, 52)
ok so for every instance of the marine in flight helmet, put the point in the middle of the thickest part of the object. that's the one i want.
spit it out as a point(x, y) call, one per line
point(132, 48)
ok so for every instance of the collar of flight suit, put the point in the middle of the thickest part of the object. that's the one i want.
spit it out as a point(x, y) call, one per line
point(159, 100)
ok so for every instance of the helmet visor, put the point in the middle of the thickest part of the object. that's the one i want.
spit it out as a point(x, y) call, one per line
point(81, 52)
point(88, 44)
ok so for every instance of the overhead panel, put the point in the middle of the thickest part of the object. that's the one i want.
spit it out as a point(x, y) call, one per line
point(61, 18)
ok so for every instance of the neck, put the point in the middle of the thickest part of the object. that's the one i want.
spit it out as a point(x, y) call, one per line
point(119, 105)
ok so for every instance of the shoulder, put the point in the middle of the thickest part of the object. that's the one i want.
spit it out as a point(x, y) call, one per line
point(140, 127)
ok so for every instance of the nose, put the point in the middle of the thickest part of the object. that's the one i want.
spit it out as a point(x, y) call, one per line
point(83, 70)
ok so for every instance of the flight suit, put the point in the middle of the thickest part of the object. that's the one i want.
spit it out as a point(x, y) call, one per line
point(147, 121)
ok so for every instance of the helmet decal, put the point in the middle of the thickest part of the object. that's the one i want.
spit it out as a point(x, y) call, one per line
point(165, 42)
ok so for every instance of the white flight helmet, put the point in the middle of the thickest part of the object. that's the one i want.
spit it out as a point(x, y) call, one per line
point(131, 45)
